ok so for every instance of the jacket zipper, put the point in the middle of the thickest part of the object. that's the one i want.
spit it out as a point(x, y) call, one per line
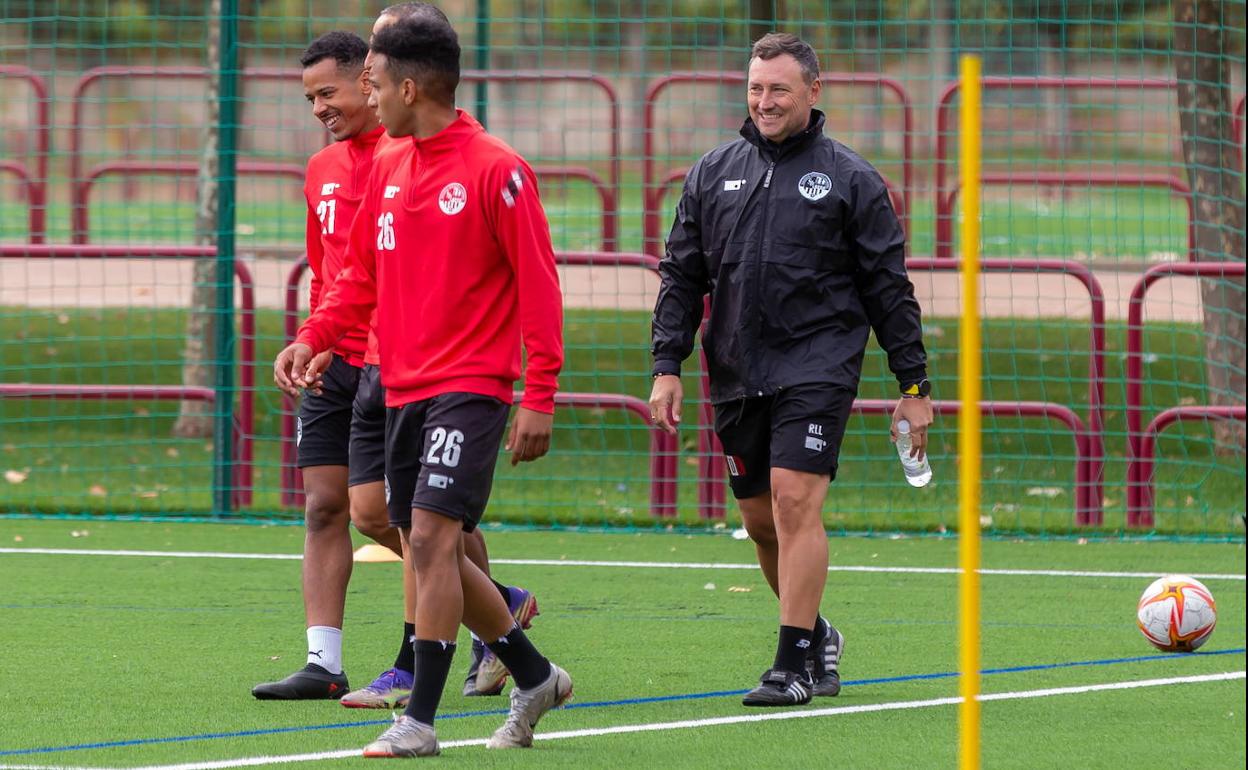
point(758, 280)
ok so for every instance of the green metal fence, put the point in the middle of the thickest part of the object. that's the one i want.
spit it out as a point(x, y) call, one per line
point(151, 222)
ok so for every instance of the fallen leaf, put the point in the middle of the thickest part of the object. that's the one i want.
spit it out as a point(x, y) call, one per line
point(739, 589)
point(709, 586)
point(15, 476)
point(1045, 491)
point(985, 521)
point(142, 411)
point(171, 452)
point(97, 490)
point(62, 318)
point(149, 494)
point(17, 538)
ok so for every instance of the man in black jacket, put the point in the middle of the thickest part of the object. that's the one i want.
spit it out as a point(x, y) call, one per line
point(795, 239)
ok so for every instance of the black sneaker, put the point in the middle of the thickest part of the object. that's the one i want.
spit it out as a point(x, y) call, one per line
point(823, 663)
point(780, 688)
point(479, 651)
point(309, 683)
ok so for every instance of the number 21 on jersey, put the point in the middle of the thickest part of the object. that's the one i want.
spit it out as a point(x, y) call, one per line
point(385, 232)
point(325, 211)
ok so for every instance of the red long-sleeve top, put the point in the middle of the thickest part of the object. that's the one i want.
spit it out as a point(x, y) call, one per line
point(452, 246)
point(334, 189)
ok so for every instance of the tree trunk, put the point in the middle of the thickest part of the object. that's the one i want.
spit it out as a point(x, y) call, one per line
point(762, 19)
point(1203, 70)
point(195, 418)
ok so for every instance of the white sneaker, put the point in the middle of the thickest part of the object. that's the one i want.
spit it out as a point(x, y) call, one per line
point(528, 706)
point(405, 738)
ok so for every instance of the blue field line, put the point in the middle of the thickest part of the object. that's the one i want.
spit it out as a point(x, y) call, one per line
point(609, 703)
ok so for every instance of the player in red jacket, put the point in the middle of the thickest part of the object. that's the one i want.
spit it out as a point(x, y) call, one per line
point(453, 249)
point(333, 188)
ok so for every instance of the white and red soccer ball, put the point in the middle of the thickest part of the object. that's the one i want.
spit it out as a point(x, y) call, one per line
point(1176, 613)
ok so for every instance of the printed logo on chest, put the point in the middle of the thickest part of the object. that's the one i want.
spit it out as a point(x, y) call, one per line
point(452, 199)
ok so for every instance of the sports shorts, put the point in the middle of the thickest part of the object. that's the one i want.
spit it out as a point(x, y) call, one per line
point(368, 429)
point(798, 428)
point(323, 426)
point(440, 456)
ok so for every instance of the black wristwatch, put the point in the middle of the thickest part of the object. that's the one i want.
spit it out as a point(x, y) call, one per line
point(919, 389)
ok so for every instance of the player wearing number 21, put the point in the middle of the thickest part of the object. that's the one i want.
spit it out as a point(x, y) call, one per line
point(453, 248)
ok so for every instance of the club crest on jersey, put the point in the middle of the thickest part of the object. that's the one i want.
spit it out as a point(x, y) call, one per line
point(452, 199)
point(814, 185)
point(391, 191)
point(329, 187)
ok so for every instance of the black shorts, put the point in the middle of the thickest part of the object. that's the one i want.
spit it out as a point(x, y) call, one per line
point(323, 427)
point(368, 429)
point(799, 428)
point(440, 456)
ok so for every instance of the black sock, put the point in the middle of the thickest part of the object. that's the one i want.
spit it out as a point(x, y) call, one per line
point(791, 650)
point(433, 663)
point(821, 630)
point(504, 591)
point(406, 659)
point(521, 658)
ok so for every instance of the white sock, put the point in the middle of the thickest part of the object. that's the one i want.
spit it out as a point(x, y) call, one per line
point(325, 648)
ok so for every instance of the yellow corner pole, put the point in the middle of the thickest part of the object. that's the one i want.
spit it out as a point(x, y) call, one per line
point(969, 446)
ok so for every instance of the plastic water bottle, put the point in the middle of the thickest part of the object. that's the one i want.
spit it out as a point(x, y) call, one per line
point(918, 472)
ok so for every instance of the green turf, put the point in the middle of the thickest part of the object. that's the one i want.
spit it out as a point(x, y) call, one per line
point(104, 648)
point(119, 457)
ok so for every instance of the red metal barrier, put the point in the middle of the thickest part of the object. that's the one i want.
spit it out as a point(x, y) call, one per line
point(1140, 492)
point(245, 429)
point(653, 187)
point(606, 195)
point(1139, 464)
point(34, 185)
point(81, 191)
point(585, 78)
point(1067, 179)
point(1083, 443)
point(945, 131)
point(664, 454)
point(1090, 471)
point(125, 72)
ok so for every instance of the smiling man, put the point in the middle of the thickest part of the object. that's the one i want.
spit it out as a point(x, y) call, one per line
point(333, 188)
point(795, 239)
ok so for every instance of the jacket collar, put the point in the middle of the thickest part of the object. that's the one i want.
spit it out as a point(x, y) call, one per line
point(451, 137)
point(365, 142)
point(790, 145)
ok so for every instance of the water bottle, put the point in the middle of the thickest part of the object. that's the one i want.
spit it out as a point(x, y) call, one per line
point(918, 472)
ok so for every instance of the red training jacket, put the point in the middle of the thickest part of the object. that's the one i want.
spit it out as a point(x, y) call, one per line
point(452, 246)
point(334, 188)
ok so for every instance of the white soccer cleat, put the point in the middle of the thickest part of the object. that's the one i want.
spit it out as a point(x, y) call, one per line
point(528, 706)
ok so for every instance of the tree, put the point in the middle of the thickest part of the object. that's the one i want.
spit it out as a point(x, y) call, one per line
point(1203, 68)
point(195, 417)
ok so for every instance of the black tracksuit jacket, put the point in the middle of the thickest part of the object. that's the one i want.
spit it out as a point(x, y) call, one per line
point(800, 250)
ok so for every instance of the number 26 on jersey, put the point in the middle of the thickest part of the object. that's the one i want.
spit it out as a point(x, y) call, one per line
point(385, 232)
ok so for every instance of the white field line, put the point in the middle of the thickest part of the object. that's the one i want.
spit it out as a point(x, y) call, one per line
point(689, 724)
point(632, 564)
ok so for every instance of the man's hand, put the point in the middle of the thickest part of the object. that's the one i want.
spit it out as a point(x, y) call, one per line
point(314, 374)
point(918, 411)
point(290, 366)
point(529, 438)
point(665, 401)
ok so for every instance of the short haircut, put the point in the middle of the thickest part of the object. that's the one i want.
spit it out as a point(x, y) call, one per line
point(775, 44)
point(411, 10)
point(425, 50)
point(346, 48)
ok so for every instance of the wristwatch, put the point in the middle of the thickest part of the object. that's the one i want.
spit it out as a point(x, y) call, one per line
point(919, 389)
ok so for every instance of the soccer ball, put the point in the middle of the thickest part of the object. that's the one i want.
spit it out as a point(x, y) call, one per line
point(1176, 613)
